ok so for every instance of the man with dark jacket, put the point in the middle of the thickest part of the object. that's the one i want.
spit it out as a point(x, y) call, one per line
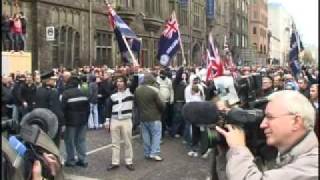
point(47, 96)
point(105, 89)
point(150, 108)
point(178, 88)
point(76, 108)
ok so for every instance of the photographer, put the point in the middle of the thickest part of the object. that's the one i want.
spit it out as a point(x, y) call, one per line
point(288, 125)
point(51, 161)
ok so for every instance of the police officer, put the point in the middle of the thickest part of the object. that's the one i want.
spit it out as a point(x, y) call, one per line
point(47, 97)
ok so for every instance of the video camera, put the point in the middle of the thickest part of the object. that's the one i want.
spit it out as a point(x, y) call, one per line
point(206, 114)
point(248, 88)
point(33, 137)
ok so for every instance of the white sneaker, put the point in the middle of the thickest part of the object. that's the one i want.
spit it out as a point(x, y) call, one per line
point(177, 136)
point(190, 153)
point(156, 158)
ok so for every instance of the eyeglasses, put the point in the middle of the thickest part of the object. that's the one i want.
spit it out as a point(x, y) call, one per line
point(270, 117)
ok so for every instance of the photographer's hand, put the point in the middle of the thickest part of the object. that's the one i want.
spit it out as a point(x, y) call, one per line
point(36, 171)
point(52, 162)
point(234, 136)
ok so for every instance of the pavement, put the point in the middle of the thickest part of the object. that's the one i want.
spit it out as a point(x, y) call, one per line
point(177, 165)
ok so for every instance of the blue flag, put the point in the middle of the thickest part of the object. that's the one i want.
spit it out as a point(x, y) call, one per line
point(121, 29)
point(296, 47)
point(169, 41)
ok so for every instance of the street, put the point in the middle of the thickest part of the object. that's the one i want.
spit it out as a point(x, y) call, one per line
point(177, 165)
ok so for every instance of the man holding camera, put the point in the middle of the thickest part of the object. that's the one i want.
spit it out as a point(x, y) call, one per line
point(288, 125)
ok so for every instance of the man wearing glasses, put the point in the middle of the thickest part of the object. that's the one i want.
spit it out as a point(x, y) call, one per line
point(288, 125)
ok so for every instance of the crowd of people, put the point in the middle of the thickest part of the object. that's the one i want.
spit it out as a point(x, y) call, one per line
point(14, 31)
point(127, 100)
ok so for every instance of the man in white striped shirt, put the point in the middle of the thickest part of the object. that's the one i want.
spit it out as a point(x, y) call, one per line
point(121, 105)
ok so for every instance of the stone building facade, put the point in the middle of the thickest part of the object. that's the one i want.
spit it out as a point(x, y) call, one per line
point(76, 25)
point(258, 29)
point(280, 25)
point(239, 33)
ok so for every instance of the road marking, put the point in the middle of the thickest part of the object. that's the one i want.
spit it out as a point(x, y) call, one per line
point(107, 146)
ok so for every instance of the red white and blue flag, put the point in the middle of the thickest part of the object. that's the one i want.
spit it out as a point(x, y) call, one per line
point(228, 61)
point(215, 65)
point(121, 29)
point(169, 41)
point(296, 47)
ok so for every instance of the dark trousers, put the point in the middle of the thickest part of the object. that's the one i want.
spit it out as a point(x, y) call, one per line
point(166, 118)
point(101, 112)
point(177, 123)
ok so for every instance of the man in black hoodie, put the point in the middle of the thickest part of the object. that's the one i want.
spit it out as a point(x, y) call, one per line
point(76, 109)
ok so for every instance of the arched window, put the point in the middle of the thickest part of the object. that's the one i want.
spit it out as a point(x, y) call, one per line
point(55, 49)
point(69, 47)
point(264, 49)
point(76, 52)
point(66, 47)
point(104, 48)
point(62, 45)
point(261, 48)
point(254, 30)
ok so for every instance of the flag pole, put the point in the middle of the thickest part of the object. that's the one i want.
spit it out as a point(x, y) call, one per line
point(134, 61)
point(181, 45)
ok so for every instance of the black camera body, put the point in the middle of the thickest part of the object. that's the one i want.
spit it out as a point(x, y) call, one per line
point(34, 134)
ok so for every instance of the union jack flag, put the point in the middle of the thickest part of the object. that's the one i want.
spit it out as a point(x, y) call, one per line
point(170, 27)
point(228, 61)
point(215, 65)
point(122, 30)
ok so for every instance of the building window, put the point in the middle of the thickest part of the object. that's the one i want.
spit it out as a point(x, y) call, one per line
point(144, 57)
point(261, 48)
point(196, 15)
point(237, 40)
point(104, 48)
point(254, 31)
point(66, 47)
point(255, 46)
point(129, 4)
point(154, 59)
point(76, 53)
point(264, 49)
point(62, 45)
point(183, 15)
point(255, 15)
point(55, 49)
point(243, 42)
point(152, 8)
point(238, 4)
point(243, 6)
point(237, 22)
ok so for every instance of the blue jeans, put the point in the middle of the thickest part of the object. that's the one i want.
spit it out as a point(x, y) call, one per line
point(93, 121)
point(151, 136)
point(19, 41)
point(75, 141)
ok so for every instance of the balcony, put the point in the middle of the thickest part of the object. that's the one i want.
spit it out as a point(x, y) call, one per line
point(152, 24)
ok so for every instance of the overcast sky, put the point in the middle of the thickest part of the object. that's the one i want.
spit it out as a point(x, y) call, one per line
point(305, 15)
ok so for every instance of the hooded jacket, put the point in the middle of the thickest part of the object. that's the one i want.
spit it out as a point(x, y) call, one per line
point(148, 101)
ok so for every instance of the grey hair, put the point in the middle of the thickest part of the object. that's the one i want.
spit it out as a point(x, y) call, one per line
point(297, 103)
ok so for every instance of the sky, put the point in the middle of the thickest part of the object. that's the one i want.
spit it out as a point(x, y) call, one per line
point(305, 15)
